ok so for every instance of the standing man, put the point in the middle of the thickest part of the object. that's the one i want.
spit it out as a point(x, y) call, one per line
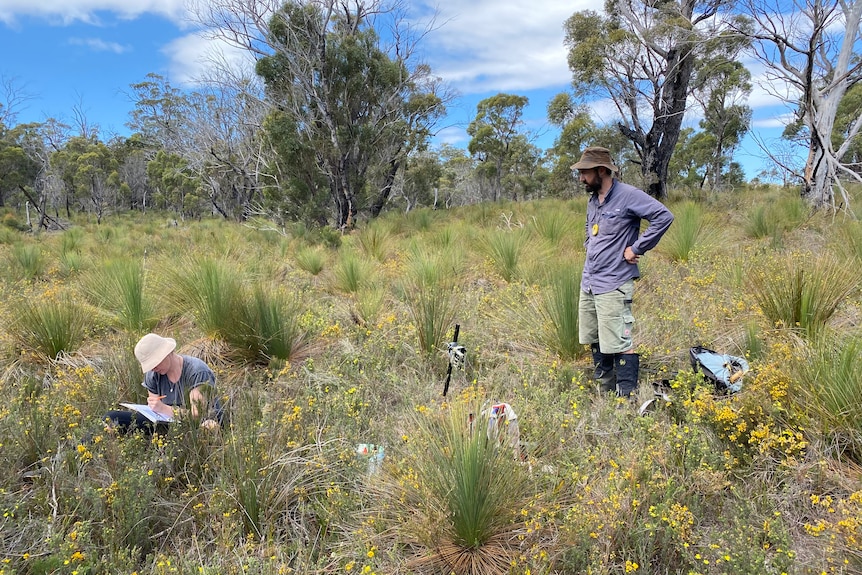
point(614, 246)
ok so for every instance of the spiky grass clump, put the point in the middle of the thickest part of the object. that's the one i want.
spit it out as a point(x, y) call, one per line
point(559, 311)
point(210, 290)
point(802, 293)
point(118, 287)
point(690, 230)
point(269, 327)
point(429, 290)
point(782, 214)
point(433, 308)
point(460, 508)
point(351, 272)
point(28, 259)
point(828, 386)
point(311, 259)
point(376, 242)
point(847, 240)
point(50, 327)
point(506, 249)
point(553, 226)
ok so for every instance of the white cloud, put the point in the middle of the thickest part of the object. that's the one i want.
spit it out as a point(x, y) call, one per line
point(452, 135)
point(99, 45)
point(779, 121)
point(503, 45)
point(67, 11)
point(191, 56)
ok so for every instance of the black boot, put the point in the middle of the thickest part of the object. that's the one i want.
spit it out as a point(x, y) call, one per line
point(604, 373)
point(627, 367)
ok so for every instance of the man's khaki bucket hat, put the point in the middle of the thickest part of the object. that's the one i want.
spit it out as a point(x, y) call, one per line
point(595, 156)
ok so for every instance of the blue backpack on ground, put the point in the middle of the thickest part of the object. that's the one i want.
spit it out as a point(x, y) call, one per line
point(724, 371)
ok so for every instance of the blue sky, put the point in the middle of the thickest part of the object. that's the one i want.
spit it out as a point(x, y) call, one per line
point(74, 58)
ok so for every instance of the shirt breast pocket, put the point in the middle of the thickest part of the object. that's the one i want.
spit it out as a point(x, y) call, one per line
point(611, 224)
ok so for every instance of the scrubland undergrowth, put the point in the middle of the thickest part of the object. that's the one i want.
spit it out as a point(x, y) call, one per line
point(320, 346)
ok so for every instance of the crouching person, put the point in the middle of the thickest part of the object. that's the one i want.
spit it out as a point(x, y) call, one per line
point(170, 378)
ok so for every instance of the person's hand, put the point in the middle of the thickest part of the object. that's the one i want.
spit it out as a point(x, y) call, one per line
point(630, 256)
point(156, 404)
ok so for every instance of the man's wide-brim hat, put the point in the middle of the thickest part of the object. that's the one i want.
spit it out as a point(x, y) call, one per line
point(594, 157)
point(152, 349)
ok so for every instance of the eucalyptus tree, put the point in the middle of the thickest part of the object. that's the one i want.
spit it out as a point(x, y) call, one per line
point(228, 149)
point(525, 173)
point(17, 168)
point(498, 122)
point(845, 119)
point(357, 108)
point(641, 54)
point(457, 185)
point(811, 51)
point(722, 87)
point(349, 97)
point(214, 131)
point(88, 169)
point(576, 129)
point(160, 118)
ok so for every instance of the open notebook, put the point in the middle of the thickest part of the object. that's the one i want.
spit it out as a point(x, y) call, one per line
point(148, 412)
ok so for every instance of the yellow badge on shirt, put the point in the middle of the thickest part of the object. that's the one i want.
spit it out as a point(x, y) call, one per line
point(595, 229)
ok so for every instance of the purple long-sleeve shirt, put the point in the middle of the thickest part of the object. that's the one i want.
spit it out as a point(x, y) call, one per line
point(612, 227)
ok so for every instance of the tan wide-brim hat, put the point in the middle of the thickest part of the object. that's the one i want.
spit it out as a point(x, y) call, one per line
point(152, 349)
point(595, 156)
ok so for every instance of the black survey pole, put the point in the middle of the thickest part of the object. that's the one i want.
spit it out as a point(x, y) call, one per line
point(449, 370)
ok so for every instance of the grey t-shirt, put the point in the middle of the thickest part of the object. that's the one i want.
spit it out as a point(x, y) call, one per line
point(195, 372)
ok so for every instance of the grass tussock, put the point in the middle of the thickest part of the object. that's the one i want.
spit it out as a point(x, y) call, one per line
point(468, 488)
point(828, 387)
point(119, 288)
point(803, 293)
point(50, 327)
point(691, 231)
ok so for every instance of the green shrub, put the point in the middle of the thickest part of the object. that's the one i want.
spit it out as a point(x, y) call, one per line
point(11, 221)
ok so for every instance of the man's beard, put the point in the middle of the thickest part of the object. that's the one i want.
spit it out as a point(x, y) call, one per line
point(596, 185)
